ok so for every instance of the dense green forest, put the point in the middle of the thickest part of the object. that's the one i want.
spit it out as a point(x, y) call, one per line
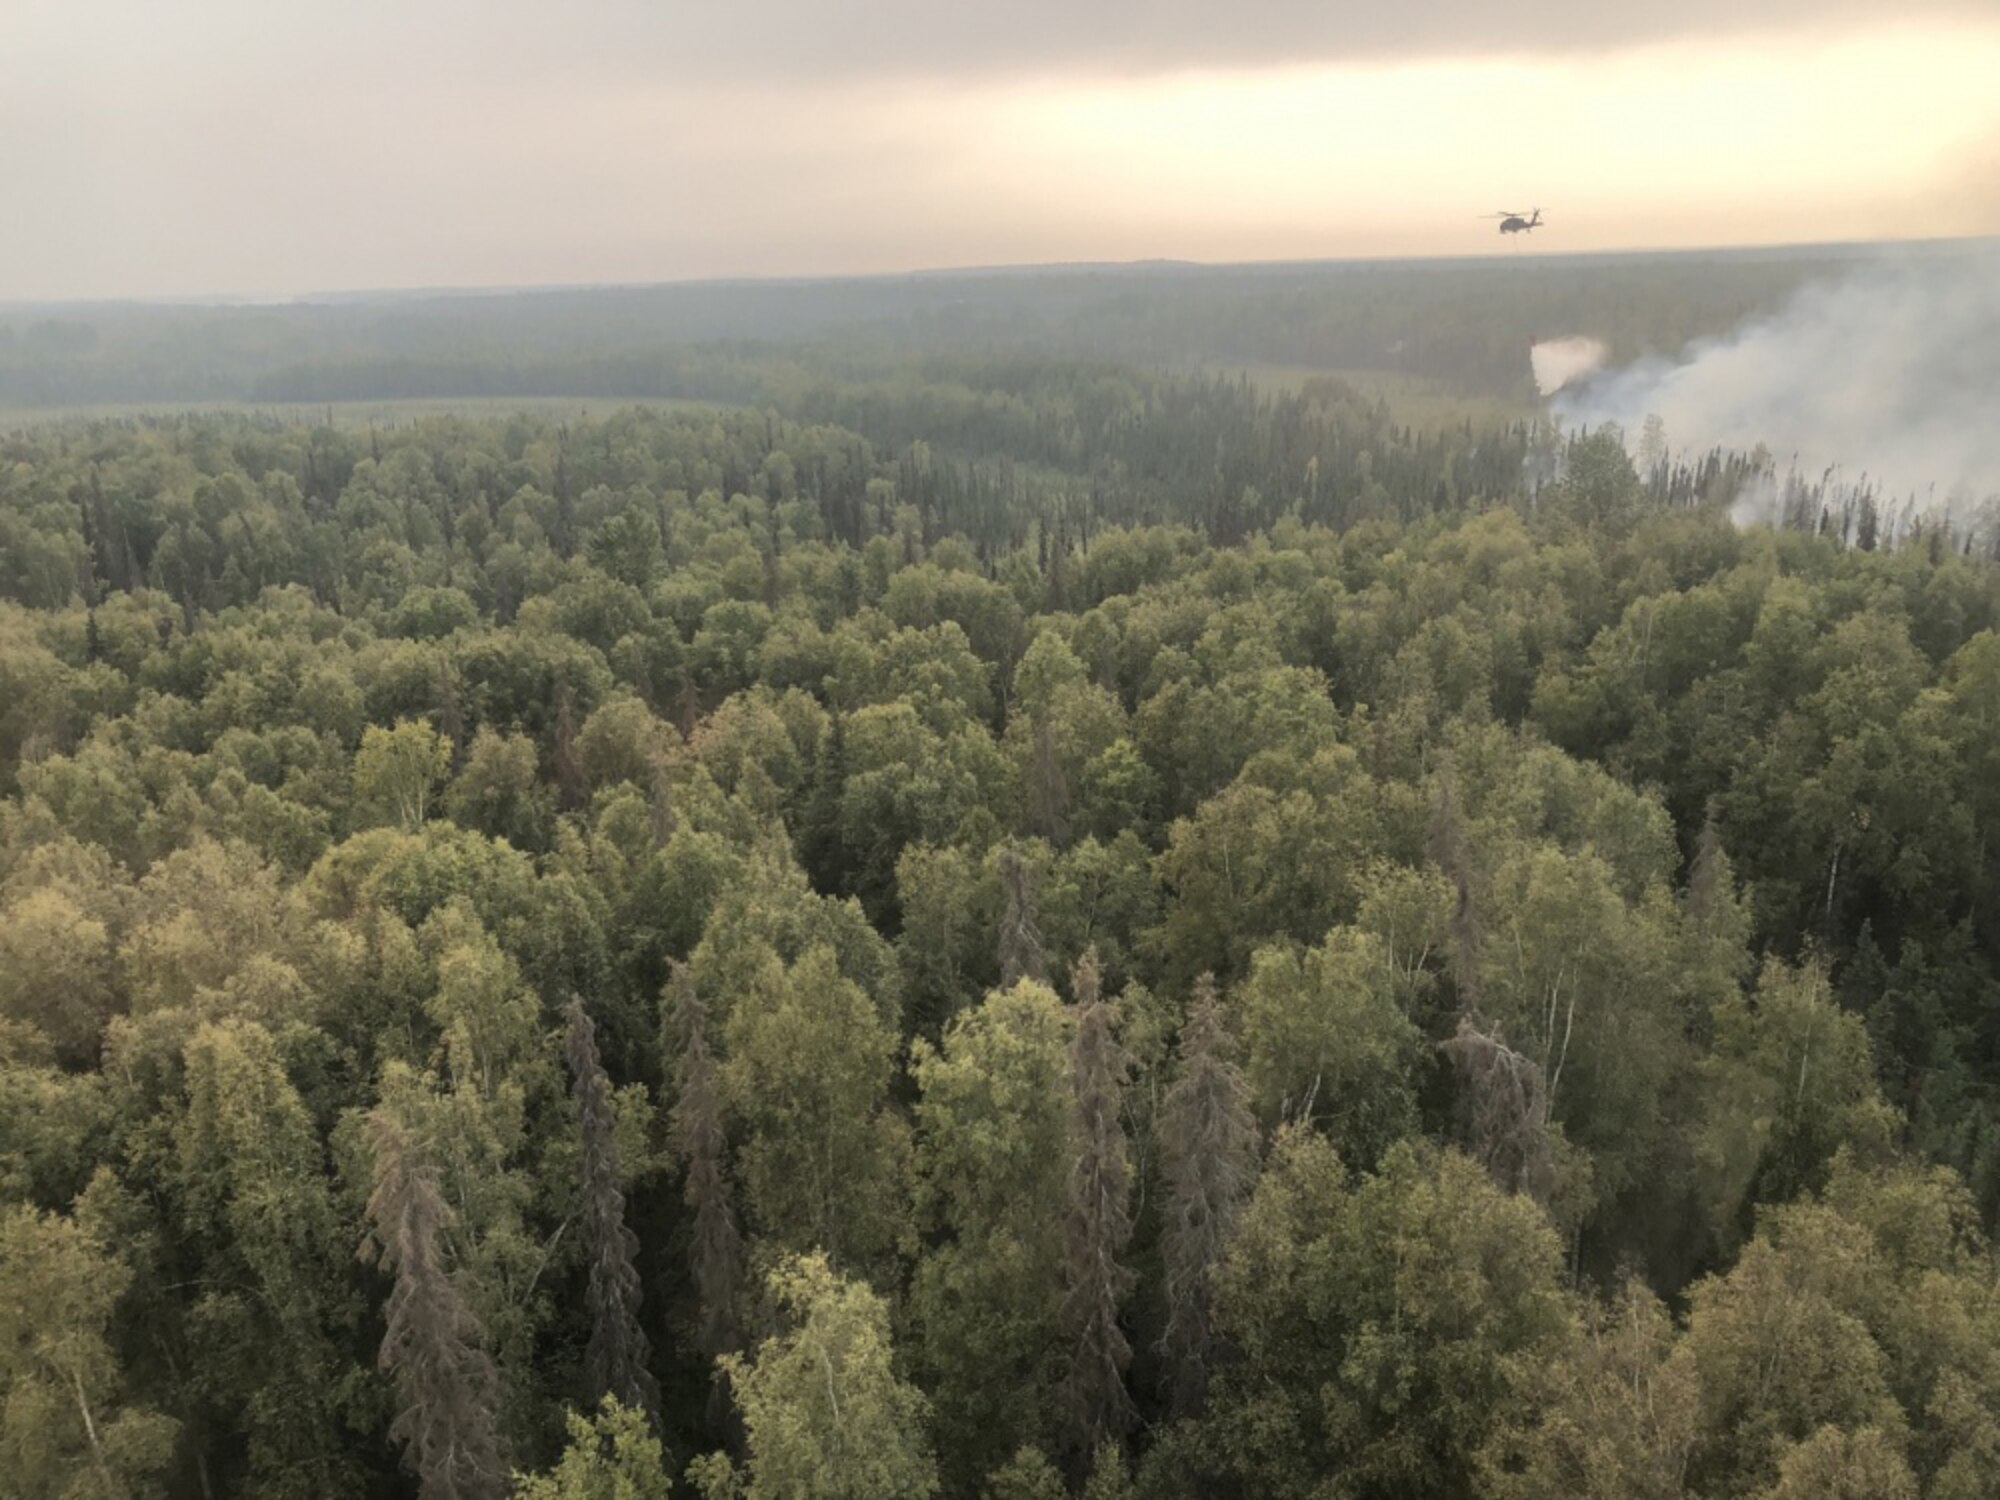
point(986, 926)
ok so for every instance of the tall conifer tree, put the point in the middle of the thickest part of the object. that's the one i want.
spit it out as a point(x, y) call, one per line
point(449, 1387)
point(1020, 938)
point(699, 1140)
point(1097, 1406)
point(1208, 1158)
point(615, 1361)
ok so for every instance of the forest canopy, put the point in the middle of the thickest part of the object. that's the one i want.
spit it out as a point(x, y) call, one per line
point(989, 926)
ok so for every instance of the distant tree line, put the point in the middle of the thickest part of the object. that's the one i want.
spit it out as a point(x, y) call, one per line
point(1465, 323)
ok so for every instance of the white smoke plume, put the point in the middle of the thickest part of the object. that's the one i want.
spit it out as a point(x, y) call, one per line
point(1558, 362)
point(1888, 378)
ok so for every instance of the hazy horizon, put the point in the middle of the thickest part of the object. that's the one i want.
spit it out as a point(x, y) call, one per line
point(223, 149)
point(1832, 249)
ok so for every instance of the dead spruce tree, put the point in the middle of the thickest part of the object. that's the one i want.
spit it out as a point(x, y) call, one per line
point(1504, 1104)
point(1097, 1408)
point(1451, 850)
point(1020, 938)
point(1208, 1161)
point(698, 1139)
point(1505, 1108)
point(615, 1360)
point(449, 1388)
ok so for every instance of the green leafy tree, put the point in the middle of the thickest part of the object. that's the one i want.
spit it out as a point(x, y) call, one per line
point(398, 770)
point(1790, 1307)
point(1792, 1080)
point(1028, 1475)
point(1061, 724)
point(1618, 1415)
point(486, 1017)
point(947, 932)
point(992, 1141)
point(1327, 1042)
point(613, 1455)
point(1582, 980)
point(1923, 1290)
point(58, 970)
point(1384, 1327)
point(1270, 857)
point(1837, 1465)
point(827, 1417)
point(497, 791)
point(1109, 1479)
point(807, 1077)
point(270, 1332)
point(65, 1429)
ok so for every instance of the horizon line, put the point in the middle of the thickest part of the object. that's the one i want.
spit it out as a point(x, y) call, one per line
point(334, 296)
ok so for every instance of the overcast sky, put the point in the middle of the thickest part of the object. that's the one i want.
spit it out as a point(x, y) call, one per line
point(274, 147)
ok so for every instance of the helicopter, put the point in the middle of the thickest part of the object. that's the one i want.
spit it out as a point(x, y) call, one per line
point(1517, 223)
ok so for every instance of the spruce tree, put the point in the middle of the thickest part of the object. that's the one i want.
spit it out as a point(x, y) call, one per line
point(1714, 914)
point(571, 788)
point(1208, 1158)
point(1452, 854)
point(664, 819)
point(822, 848)
point(1097, 1406)
point(1505, 1105)
point(698, 1138)
point(688, 705)
point(562, 534)
point(450, 713)
point(446, 1422)
point(1020, 938)
point(615, 1360)
point(1048, 789)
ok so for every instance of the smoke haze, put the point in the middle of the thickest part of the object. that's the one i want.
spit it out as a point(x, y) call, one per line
point(179, 148)
point(1890, 375)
